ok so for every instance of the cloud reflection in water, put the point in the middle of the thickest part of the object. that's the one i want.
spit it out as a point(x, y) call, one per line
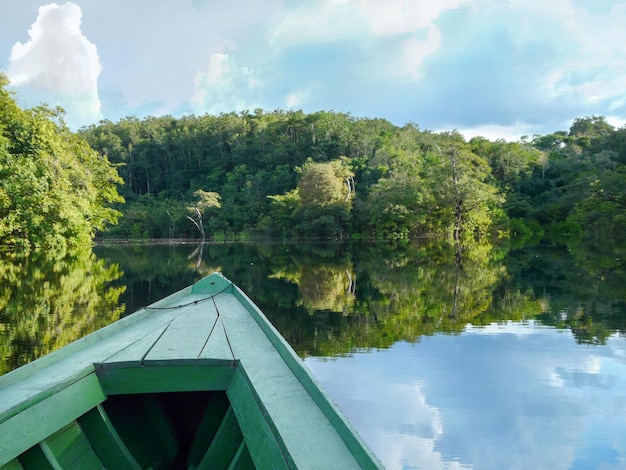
point(506, 396)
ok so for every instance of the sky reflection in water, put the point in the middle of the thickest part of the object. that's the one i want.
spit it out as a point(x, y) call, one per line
point(506, 396)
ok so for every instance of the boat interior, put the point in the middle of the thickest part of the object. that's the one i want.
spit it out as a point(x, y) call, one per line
point(175, 430)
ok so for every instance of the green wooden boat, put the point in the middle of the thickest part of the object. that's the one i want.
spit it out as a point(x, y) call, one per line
point(198, 380)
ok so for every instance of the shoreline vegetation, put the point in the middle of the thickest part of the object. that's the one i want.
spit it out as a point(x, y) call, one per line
point(287, 175)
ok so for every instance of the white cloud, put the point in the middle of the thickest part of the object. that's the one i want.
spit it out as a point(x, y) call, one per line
point(58, 64)
point(399, 17)
point(509, 68)
point(369, 25)
point(224, 86)
point(412, 53)
point(588, 42)
point(334, 20)
point(297, 98)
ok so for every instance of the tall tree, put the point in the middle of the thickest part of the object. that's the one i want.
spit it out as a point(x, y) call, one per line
point(463, 198)
point(326, 191)
point(205, 200)
point(55, 191)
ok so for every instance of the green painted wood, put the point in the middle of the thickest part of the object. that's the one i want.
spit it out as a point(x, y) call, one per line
point(134, 354)
point(69, 449)
point(72, 349)
point(179, 346)
point(366, 458)
point(186, 336)
point(242, 459)
point(19, 395)
point(217, 350)
point(19, 398)
point(47, 416)
point(213, 284)
point(69, 445)
point(105, 440)
point(154, 379)
point(13, 465)
point(39, 457)
point(43, 445)
point(211, 420)
point(262, 439)
point(288, 402)
point(87, 461)
point(225, 444)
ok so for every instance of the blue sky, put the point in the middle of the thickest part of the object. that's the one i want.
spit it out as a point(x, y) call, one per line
point(497, 68)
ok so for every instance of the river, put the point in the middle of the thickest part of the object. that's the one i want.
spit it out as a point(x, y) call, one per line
point(498, 358)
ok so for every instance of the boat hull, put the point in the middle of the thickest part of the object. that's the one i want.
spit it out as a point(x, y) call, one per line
point(200, 379)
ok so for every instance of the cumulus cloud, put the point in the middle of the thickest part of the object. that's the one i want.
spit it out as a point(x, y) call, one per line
point(58, 64)
point(526, 64)
point(297, 98)
point(497, 68)
point(224, 86)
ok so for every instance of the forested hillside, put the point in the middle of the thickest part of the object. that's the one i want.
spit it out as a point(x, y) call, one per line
point(331, 175)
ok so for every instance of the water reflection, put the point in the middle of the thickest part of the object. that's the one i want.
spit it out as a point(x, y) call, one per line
point(513, 395)
point(327, 299)
point(538, 380)
point(47, 302)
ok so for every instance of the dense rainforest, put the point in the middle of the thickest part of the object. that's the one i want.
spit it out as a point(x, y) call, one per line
point(287, 174)
point(331, 175)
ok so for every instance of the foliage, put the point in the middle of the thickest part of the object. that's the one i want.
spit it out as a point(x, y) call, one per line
point(325, 298)
point(286, 173)
point(55, 191)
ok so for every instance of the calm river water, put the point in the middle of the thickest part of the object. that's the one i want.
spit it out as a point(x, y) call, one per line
point(499, 358)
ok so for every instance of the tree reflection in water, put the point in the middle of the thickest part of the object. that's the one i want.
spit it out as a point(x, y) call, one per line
point(327, 299)
point(47, 302)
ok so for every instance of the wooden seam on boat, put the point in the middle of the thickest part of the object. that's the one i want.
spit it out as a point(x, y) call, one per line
point(185, 336)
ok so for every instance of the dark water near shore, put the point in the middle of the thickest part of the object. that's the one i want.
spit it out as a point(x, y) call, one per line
point(498, 359)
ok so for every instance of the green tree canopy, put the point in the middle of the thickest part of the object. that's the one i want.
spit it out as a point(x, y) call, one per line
point(325, 191)
point(55, 190)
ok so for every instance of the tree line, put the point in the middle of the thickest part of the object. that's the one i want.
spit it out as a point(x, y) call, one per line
point(287, 174)
point(331, 175)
